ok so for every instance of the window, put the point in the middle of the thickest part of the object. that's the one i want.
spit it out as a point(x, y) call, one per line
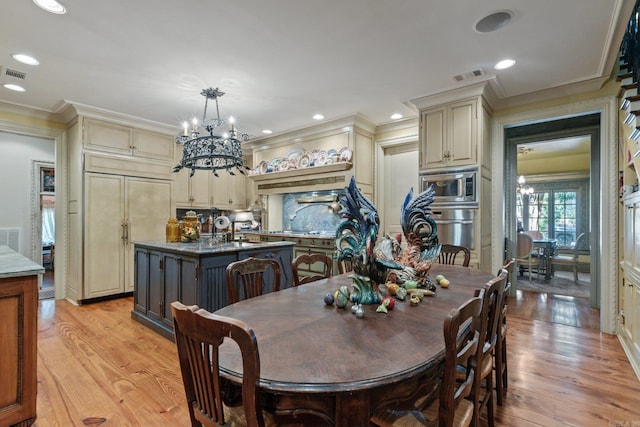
point(554, 213)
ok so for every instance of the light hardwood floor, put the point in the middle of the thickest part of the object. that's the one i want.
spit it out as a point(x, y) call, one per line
point(98, 367)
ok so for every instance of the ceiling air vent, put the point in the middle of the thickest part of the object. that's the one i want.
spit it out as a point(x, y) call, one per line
point(468, 75)
point(13, 73)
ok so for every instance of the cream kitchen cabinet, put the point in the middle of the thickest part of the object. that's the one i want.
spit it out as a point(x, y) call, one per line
point(191, 191)
point(205, 190)
point(449, 135)
point(229, 191)
point(114, 138)
point(118, 211)
point(629, 319)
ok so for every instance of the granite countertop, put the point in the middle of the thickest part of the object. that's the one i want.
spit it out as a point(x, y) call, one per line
point(299, 234)
point(205, 247)
point(12, 264)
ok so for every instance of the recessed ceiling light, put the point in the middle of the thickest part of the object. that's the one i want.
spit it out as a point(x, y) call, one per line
point(51, 6)
point(493, 22)
point(14, 87)
point(267, 131)
point(25, 59)
point(504, 64)
point(318, 117)
point(396, 116)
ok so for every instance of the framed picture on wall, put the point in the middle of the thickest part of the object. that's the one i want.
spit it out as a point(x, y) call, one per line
point(47, 180)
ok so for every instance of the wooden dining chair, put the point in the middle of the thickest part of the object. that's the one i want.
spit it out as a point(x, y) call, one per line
point(500, 353)
point(344, 266)
point(317, 266)
point(199, 335)
point(448, 254)
point(246, 278)
point(491, 295)
point(452, 408)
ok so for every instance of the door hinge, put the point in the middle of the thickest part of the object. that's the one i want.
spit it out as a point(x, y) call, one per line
point(161, 264)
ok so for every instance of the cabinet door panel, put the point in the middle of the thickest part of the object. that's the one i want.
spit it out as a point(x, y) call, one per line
point(107, 137)
point(103, 235)
point(148, 207)
point(172, 281)
point(156, 286)
point(142, 279)
point(636, 234)
point(189, 281)
point(152, 145)
point(434, 139)
point(462, 144)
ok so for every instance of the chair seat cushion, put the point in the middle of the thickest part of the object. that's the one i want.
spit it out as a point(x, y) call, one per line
point(563, 258)
point(429, 416)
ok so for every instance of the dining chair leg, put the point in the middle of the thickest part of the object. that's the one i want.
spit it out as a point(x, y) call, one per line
point(501, 371)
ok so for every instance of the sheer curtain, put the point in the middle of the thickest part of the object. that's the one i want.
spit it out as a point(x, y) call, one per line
point(48, 220)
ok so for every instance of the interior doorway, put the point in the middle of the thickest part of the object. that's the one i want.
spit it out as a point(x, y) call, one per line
point(43, 226)
point(549, 195)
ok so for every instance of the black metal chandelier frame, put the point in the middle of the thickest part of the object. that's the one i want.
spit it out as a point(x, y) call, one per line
point(212, 151)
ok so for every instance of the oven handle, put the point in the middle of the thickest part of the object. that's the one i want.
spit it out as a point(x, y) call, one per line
point(453, 221)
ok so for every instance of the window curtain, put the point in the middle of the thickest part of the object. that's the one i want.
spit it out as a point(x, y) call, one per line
point(48, 220)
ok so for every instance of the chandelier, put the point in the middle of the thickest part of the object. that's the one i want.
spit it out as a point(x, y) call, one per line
point(216, 149)
point(523, 188)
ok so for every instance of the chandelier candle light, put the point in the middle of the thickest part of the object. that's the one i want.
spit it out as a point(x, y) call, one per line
point(523, 188)
point(215, 150)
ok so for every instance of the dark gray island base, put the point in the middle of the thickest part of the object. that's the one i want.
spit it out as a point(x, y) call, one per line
point(193, 273)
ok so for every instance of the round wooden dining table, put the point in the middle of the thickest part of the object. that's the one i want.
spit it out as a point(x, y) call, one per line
point(322, 360)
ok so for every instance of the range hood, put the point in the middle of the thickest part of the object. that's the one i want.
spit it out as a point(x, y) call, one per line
point(328, 177)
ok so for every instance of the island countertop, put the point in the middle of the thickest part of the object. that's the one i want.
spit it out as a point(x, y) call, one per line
point(205, 247)
point(12, 264)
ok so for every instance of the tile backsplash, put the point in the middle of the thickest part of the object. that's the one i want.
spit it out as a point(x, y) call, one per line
point(306, 217)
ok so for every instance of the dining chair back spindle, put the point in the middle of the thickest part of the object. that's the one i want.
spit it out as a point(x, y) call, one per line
point(317, 266)
point(198, 335)
point(500, 353)
point(452, 409)
point(449, 253)
point(246, 278)
point(491, 295)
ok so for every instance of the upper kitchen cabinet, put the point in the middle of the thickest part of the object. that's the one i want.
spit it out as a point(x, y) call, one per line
point(229, 191)
point(114, 138)
point(454, 129)
point(351, 136)
point(190, 191)
point(449, 135)
point(205, 190)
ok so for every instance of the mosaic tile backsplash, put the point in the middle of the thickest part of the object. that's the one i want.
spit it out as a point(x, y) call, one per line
point(306, 217)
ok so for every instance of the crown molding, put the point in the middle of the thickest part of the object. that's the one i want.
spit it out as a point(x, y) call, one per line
point(69, 110)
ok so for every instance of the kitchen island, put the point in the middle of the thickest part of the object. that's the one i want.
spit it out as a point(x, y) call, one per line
point(193, 273)
point(18, 335)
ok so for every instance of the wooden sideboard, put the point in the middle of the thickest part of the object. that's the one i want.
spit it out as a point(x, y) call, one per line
point(18, 338)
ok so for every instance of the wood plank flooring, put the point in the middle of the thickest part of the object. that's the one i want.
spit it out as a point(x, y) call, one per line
point(98, 367)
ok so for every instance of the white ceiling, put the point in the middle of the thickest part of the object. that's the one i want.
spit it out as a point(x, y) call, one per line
point(281, 61)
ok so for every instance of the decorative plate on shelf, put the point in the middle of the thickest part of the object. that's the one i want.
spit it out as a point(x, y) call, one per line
point(294, 154)
point(345, 154)
point(283, 165)
point(322, 158)
point(304, 161)
point(262, 167)
point(331, 152)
